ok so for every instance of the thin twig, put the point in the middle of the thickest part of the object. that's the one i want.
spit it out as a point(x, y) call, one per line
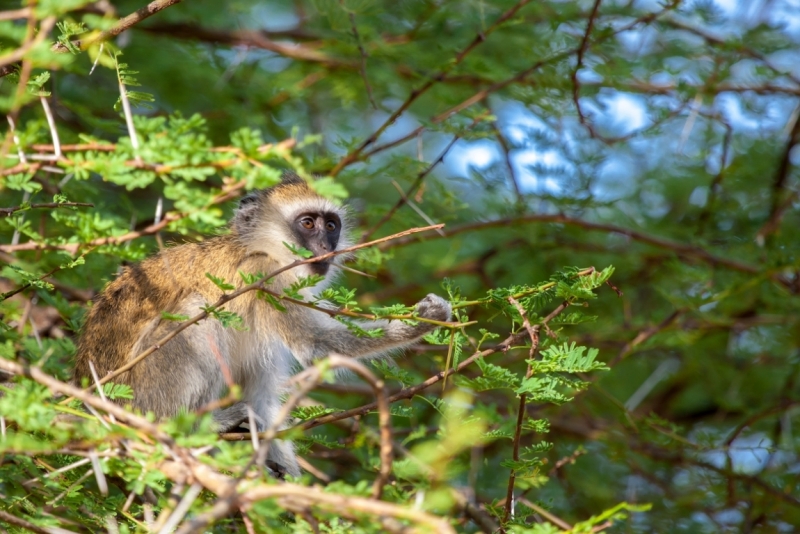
point(779, 204)
point(43, 378)
point(44, 205)
point(180, 511)
point(12, 57)
point(51, 124)
point(363, 64)
point(417, 182)
point(579, 65)
point(58, 471)
point(102, 484)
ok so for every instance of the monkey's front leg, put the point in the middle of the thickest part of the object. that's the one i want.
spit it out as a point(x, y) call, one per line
point(331, 336)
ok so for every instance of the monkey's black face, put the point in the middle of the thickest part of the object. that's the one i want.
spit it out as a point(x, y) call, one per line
point(319, 233)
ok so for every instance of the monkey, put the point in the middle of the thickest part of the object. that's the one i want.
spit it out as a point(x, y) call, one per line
point(188, 372)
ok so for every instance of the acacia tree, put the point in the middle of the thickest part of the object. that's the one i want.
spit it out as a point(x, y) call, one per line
point(513, 154)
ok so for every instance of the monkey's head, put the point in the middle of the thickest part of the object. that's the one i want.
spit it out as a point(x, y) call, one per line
point(291, 212)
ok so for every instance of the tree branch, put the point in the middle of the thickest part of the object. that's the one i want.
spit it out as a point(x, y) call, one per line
point(122, 25)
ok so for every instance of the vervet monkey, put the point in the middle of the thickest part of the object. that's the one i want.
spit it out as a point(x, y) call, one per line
point(185, 373)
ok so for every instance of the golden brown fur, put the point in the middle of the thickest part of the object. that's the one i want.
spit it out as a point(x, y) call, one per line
point(187, 372)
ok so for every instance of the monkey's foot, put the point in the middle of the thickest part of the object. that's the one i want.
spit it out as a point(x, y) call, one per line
point(434, 307)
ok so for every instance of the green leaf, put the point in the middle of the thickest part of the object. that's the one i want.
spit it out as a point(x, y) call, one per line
point(299, 251)
point(174, 316)
point(220, 283)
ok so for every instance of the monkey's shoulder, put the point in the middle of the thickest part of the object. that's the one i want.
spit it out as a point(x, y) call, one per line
point(166, 278)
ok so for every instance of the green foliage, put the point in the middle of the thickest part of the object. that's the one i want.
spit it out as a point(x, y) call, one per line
point(227, 319)
point(220, 283)
point(126, 79)
point(69, 29)
point(343, 297)
point(298, 250)
point(293, 291)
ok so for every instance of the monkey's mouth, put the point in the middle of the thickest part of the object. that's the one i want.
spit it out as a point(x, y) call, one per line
point(320, 267)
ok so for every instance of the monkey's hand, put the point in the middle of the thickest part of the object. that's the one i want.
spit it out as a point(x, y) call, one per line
point(433, 307)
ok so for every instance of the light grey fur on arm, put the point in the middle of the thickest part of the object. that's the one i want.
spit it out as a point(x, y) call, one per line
point(331, 336)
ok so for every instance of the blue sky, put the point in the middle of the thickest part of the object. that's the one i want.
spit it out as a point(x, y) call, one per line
point(623, 113)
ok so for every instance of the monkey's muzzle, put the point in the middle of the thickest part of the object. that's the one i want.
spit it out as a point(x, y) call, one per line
point(320, 267)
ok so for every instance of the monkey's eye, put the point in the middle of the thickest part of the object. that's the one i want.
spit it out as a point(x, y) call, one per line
point(307, 223)
point(330, 226)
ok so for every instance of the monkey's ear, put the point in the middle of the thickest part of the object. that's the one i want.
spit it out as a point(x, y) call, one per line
point(246, 212)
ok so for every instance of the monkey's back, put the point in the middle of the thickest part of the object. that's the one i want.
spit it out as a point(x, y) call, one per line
point(130, 307)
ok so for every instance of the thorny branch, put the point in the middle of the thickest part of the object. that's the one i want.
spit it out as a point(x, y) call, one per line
point(363, 64)
point(122, 25)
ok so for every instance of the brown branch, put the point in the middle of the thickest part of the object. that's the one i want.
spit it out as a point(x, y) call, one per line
point(43, 378)
point(779, 204)
point(506, 146)
point(717, 181)
point(229, 191)
point(681, 459)
point(644, 335)
point(484, 93)
point(728, 46)
point(384, 419)
point(579, 64)
point(9, 294)
point(667, 88)
point(253, 38)
point(80, 147)
point(14, 14)
point(554, 519)
point(363, 65)
point(292, 497)
point(122, 25)
point(784, 405)
point(356, 315)
point(408, 392)
point(533, 333)
point(566, 460)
